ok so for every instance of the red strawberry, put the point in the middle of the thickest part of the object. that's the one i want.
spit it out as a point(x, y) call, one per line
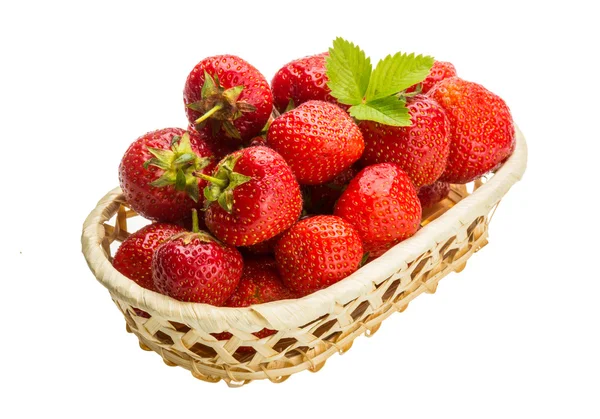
point(381, 203)
point(227, 98)
point(260, 283)
point(219, 147)
point(252, 196)
point(134, 256)
point(320, 199)
point(482, 134)
point(157, 173)
point(300, 81)
point(263, 248)
point(430, 195)
point(441, 70)
point(195, 267)
point(420, 149)
point(317, 252)
point(319, 140)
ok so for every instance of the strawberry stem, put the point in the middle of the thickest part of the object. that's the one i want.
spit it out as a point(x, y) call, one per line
point(208, 114)
point(195, 224)
point(219, 182)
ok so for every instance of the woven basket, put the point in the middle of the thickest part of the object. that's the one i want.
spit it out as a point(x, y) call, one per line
point(311, 329)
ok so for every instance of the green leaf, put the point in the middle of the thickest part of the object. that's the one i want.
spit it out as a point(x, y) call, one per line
point(388, 111)
point(192, 190)
point(209, 87)
point(180, 181)
point(175, 140)
point(212, 192)
point(196, 106)
point(226, 201)
point(233, 93)
point(237, 179)
point(155, 162)
point(396, 73)
point(168, 178)
point(184, 158)
point(349, 71)
point(165, 156)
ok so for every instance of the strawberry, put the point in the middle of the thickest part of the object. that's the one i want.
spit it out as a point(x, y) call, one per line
point(429, 195)
point(266, 247)
point(260, 283)
point(317, 252)
point(382, 204)
point(482, 134)
point(319, 140)
point(320, 199)
point(439, 71)
point(134, 256)
point(227, 98)
point(300, 81)
point(252, 197)
point(157, 173)
point(420, 149)
point(195, 267)
point(219, 147)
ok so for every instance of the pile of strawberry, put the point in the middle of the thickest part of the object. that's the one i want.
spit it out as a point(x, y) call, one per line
point(277, 191)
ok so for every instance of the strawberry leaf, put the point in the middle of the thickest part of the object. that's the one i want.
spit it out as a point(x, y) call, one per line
point(348, 70)
point(397, 72)
point(388, 111)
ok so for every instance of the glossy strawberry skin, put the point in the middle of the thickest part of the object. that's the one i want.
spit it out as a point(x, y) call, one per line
point(260, 284)
point(429, 195)
point(301, 80)
point(441, 70)
point(134, 256)
point(482, 133)
point(263, 248)
point(188, 267)
point(318, 139)
point(420, 149)
point(317, 252)
point(158, 203)
point(263, 207)
point(382, 204)
point(232, 71)
point(219, 147)
point(321, 199)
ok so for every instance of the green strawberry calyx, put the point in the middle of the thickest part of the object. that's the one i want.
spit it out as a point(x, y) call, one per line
point(220, 106)
point(374, 95)
point(224, 181)
point(179, 164)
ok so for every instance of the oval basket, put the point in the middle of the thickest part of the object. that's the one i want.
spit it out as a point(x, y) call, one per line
point(307, 330)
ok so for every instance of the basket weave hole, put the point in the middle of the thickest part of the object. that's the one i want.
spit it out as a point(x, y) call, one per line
point(180, 327)
point(360, 310)
point(447, 245)
point(324, 328)
point(202, 351)
point(163, 338)
point(417, 270)
point(390, 290)
point(474, 225)
point(450, 255)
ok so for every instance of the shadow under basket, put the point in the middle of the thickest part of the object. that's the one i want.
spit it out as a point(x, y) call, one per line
point(307, 330)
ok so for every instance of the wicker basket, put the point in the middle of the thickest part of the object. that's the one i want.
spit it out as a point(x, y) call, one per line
point(311, 329)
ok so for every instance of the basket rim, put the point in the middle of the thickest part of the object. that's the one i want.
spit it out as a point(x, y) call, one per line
point(297, 312)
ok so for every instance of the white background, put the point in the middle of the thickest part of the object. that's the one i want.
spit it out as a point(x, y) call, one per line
point(514, 335)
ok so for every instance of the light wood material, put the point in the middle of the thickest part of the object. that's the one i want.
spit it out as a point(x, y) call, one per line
point(311, 329)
